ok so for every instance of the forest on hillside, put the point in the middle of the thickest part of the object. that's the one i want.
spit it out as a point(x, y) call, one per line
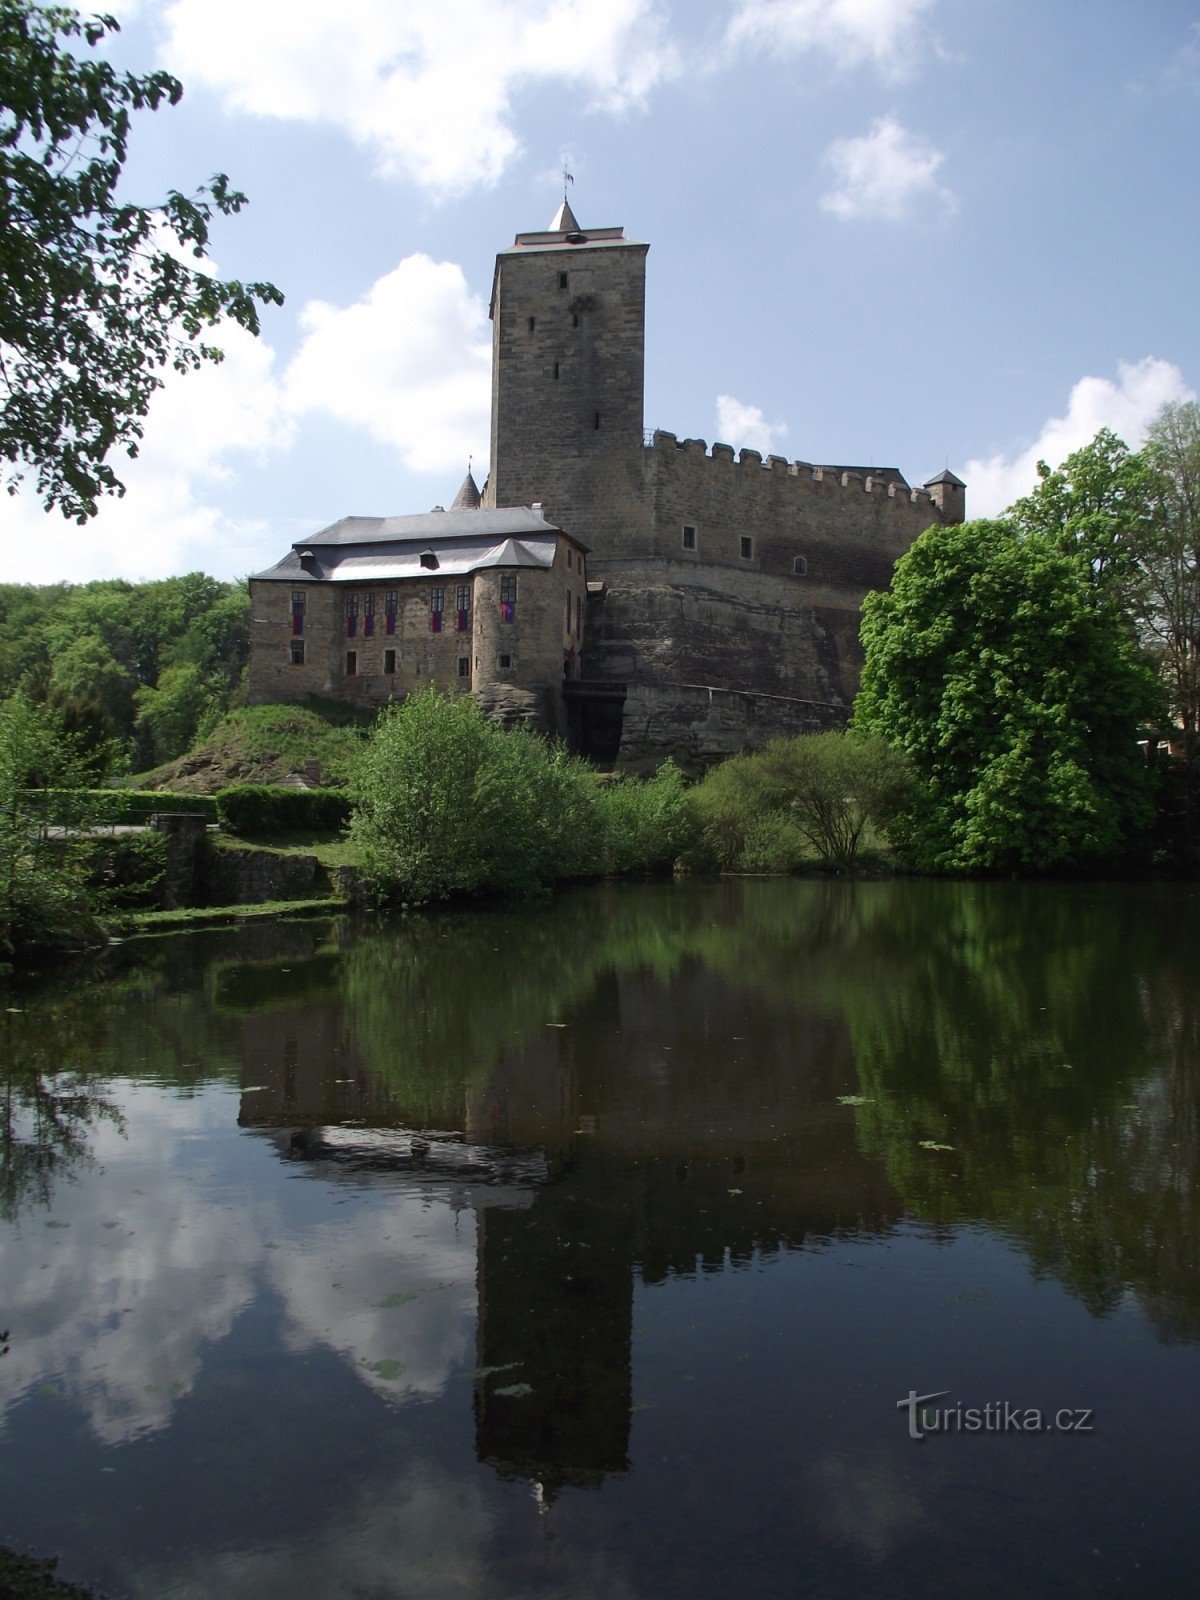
point(143, 668)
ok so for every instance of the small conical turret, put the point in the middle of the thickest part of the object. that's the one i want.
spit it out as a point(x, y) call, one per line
point(467, 498)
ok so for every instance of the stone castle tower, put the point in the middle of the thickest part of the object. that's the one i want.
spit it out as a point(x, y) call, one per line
point(568, 373)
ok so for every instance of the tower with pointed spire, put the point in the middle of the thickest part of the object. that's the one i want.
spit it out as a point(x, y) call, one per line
point(568, 370)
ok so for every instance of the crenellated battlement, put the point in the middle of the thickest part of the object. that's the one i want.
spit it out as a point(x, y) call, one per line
point(881, 484)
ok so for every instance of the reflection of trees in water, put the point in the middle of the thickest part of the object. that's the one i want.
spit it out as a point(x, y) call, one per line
point(1049, 1036)
point(48, 1111)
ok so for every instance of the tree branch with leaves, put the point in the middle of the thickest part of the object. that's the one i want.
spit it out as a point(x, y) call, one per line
point(98, 295)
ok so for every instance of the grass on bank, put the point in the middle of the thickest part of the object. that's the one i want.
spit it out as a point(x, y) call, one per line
point(191, 918)
point(264, 744)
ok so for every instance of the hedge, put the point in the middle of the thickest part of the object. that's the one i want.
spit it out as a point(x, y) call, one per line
point(261, 808)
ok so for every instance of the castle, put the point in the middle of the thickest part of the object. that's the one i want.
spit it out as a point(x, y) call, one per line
point(643, 595)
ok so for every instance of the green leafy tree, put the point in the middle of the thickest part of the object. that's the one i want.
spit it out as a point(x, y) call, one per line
point(98, 294)
point(1170, 566)
point(1017, 694)
point(1100, 505)
point(44, 899)
point(448, 804)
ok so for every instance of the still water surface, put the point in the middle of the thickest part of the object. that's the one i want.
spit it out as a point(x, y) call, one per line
point(587, 1250)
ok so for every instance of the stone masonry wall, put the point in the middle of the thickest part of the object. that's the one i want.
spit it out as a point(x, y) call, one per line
point(568, 367)
point(536, 642)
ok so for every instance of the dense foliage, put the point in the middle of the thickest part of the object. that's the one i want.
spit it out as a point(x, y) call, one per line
point(145, 665)
point(98, 294)
point(1012, 682)
point(816, 796)
point(263, 809)
point(45, 902)
point(449, 804)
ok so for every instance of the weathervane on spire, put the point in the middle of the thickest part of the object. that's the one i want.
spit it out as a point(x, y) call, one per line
point(568, 177)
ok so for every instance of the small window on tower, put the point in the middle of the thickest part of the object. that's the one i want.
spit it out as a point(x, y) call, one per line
point(296, 653)
point(351, 663)
point(689, 536)
point(747, 547)
point(596, 422)
point(504, 663)
point(562, 280)
point(570, 557)
point(464, 666)
point(574, 319)
point(556, 369)
point(800, 567)
point(389, 661)
point(532, 324)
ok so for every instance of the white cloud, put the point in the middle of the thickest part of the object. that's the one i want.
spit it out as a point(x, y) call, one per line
point(1127, 407)
point(409, 363)
point(745, 427)
point(884, 174)
point(887, 34)
point(428, 89)
point(166, 523)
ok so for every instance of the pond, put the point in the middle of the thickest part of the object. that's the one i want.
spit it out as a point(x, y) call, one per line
point(660, 1240)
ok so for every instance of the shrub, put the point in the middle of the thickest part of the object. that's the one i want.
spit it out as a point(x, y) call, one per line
point(643, 826)
point(126, 871)
point(129, 807)
point(446, 803)
point(253, 808)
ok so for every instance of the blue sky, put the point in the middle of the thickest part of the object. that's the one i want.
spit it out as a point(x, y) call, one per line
point(915, 233)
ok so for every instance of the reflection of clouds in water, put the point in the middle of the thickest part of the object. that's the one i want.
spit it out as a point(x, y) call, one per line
point(866, 1505)
point(426, 1534)
point(393, 1290)
point(114, 1293)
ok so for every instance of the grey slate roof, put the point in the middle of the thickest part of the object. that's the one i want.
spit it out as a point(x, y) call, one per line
point(945, 477)
point(379, 549)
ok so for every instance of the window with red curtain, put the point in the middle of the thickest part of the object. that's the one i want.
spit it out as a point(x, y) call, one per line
point(390, 608)
point(437, 604)
point(369, 614)
point(351, 615)
point(462, 607)
point(298, 603)
point(508, 599)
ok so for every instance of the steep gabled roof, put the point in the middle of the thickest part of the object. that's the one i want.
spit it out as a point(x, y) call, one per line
point(563, 220)
point(467, 498)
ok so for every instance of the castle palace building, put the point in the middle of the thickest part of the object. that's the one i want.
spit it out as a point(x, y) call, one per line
point(641, 594)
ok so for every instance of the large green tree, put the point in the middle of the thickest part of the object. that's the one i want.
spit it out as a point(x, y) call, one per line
point(97, 294)
point(1015, 689)
point(1170, 566)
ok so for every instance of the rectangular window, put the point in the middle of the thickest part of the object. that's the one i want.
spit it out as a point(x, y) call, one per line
point(747, 547)
point(508, 599)
point(568, 613)
point(800, 567)
point(579, 616)
point(389, 661)
point(351, 663)
point(462, 607)
point(689, 536)
point(296, 653)
point(504, 663)
point(562, 280)
point(299, 601)
point(437, 604)
point(570, 558)
point(351, 615)
point(368, 614)
point(464, 666)
point(390, 607)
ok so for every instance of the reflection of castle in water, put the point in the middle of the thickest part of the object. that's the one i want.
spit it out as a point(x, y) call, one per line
point(588, 1170)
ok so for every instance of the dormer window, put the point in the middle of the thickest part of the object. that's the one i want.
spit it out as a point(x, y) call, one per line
point(429, 560)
